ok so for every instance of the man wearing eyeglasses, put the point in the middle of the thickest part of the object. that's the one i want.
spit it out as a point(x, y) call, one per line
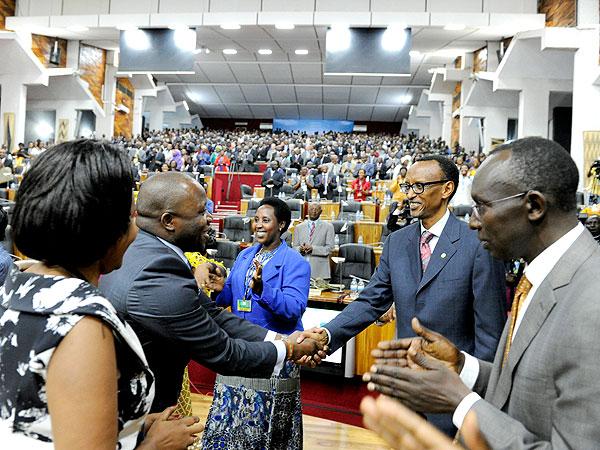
point(436, 270)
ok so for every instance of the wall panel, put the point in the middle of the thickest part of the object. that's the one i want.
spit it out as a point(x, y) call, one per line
point(7, 9)
point(92, 65)
point(124, 95)
point(559, 13)
point(43, 46)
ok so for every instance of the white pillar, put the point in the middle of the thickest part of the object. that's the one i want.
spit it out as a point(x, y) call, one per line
point(13, 101)
point(447, 121)
point(588, 12)
point(534, 104)
point(138, 110)
point(586, 96)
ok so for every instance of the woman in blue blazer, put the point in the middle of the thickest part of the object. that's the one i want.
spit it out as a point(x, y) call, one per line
point(268, 285)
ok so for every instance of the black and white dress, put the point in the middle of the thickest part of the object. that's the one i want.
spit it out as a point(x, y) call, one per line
point(36, 313)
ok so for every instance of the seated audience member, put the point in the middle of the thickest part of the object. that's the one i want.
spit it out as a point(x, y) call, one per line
point(273, 179)
point(314, 239)
point(592, 223)
point(397, 194)
point(325, 183)
point(156, 282)
point(74, 375)
point(268, 286)
point(361, 187)
point(6, 261)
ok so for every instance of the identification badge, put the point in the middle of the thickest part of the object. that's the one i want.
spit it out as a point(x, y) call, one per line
point(244, 305)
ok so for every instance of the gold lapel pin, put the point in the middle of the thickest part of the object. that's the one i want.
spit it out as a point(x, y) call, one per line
point(443, 255)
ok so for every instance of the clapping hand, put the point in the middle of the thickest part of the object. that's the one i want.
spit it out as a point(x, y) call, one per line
point(435, 387)
point(403, 429)
point(388, 316)
point(256, 283)
point(210, 276)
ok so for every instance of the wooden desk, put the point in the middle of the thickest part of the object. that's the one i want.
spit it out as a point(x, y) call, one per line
point(379, 195)
point(328, 208)
point(244, 206)
point(384, 211)
point(370, 231)
point(369, 210)
point(12, 193)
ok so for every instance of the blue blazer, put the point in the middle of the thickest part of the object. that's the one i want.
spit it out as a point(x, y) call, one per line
point(286, 281)
point(462, 294)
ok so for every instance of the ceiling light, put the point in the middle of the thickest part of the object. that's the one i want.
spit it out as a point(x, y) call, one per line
point(230, 51)
point(284, 26)
point(404, 99)
point(136, 39)
point(455, 27)
point(265, 51)
point(185, 39)
point(414, 53)
point(393, 38)
point(194, 97)
point(301, 51)
point(77, 28)
point(185, 105)
point(44, 130)
point(230, 26)
point(338, 38)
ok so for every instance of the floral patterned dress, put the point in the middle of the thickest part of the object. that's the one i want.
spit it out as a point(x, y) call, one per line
point(36, 313)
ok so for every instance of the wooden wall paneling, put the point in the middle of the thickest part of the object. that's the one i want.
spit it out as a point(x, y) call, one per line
point(7, 9)
point(92, 65)
point(366, 341)
point(42, 47)
point(124, 95)
point(591, 152)
point(559, 13)
point(455, 130)
point(480, 58)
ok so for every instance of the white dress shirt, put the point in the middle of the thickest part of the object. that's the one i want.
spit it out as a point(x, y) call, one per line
point(536, 273)
point(436, 229)
point(271, 335)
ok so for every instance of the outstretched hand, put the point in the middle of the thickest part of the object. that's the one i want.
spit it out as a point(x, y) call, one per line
point(311, 346)
point(167, 433)
point(401, 352)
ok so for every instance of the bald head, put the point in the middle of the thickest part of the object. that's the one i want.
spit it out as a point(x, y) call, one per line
point(165, 191)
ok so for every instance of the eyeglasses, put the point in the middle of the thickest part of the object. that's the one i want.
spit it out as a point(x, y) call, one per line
point(418, 188)
point(479, 207)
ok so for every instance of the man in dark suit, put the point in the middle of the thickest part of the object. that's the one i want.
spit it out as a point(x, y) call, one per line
point(434, 269)
point(542, 389)
point(325, 183)
point(156, 292)
point(273, 179)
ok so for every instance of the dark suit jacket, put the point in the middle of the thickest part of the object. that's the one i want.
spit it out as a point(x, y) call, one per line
point(276, 178)
point(547, 395)
point(331, 186)
point(461, 295)
point(157, 294)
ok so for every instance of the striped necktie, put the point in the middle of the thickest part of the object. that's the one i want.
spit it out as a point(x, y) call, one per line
point(311, 233)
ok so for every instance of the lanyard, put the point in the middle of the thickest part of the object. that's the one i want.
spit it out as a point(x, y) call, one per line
point(263, 258)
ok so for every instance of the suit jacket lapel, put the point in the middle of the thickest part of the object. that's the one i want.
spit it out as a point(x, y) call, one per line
point(540, 307)
point(445, 246)
point(414, 254)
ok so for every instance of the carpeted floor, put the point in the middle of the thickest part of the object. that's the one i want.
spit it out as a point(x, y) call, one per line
point(330, 398)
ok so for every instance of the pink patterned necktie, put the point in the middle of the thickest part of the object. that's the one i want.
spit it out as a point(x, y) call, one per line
point(425, 249)
point(311, 232)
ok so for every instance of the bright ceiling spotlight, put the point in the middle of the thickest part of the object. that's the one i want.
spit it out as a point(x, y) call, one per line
point(265, 51)
point(404, 99)
point(126, 27)
point(230, 51)
point(230, 26)
point(338, 39)
point(185, 105)
point(44, 130)
point(136, 39)
point(414, 53)
point(185, 39)
point(284, 26)
point(301, 51)
point(394, 38)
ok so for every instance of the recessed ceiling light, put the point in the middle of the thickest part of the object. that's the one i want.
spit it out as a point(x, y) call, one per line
point(126, 27)
point(230, 51)
point(404, 99)
point(394, 38)
point(301, 51)
point(338, 39)
point(455, 27)
point(284, 26)
point(265, 51)
point(77, 28)
point(230, 26)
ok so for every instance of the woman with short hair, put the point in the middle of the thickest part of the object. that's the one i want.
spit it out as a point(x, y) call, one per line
point(73, 374)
